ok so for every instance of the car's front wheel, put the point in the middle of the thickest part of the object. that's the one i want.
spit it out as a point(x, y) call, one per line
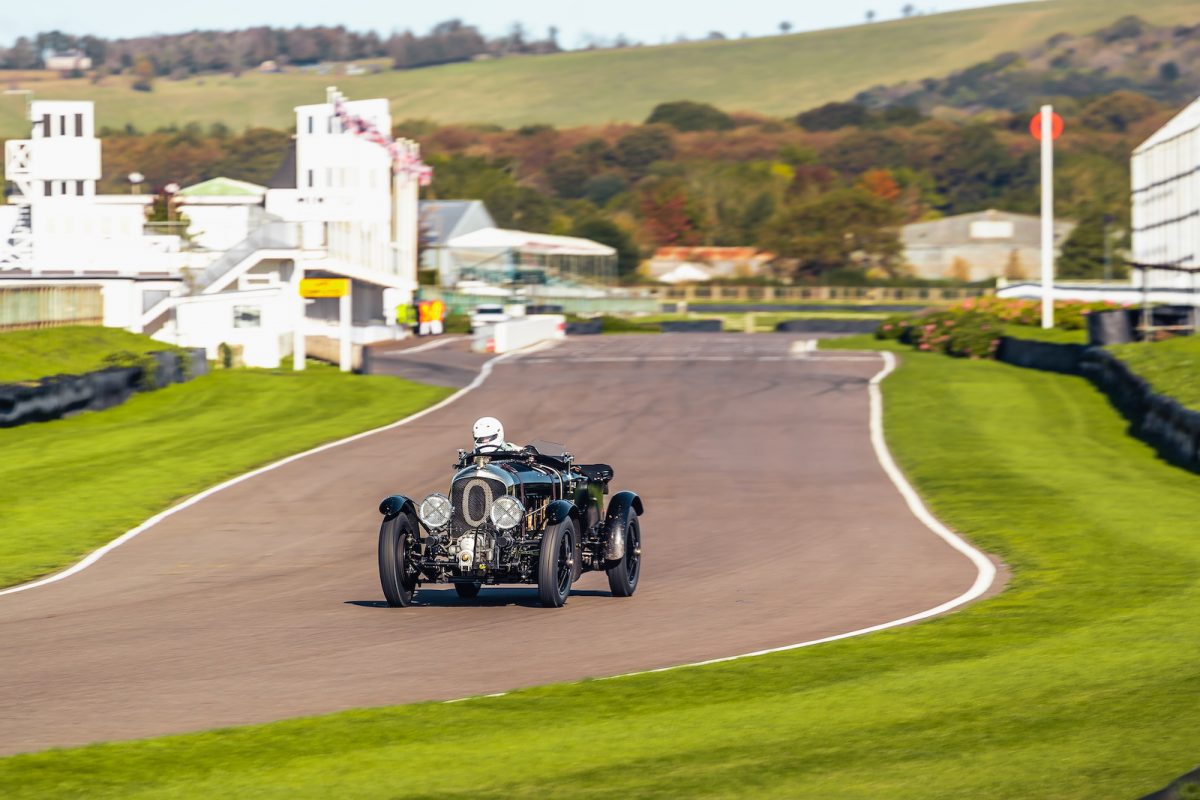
point(399, 583)
point(623, 574)
point(556, 565)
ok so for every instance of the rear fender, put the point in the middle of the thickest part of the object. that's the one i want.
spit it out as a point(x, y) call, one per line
point(614, 523)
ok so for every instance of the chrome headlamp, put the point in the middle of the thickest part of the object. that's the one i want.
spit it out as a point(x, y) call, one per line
point(507, 512)
point(435, 511)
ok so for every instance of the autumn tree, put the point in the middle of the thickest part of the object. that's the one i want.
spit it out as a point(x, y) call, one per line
point(641, 147)
point(841, 229)
point(880, 183)
point(667, 215)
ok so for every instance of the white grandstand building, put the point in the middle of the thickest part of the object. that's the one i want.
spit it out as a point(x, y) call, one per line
point(1165, 172)
point(345, 206)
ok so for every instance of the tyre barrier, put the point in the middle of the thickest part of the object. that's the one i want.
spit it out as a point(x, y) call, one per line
point(827, 325)
point(692, 326)
point(61, 395)
point(1046, 356)
point(589, 327)
point(1159, 421)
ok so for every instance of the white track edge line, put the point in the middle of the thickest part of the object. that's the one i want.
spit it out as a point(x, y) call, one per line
point(985, 570)
point(484, 371)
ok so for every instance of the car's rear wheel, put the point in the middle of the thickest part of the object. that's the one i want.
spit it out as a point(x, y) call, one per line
point(556, 565)
point(399, 583)
point(623, 574)
point(467, 591)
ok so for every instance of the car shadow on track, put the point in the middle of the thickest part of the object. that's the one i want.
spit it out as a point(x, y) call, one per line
point(448, 598)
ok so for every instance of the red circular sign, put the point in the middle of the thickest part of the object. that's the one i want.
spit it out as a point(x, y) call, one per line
point(1056, 126)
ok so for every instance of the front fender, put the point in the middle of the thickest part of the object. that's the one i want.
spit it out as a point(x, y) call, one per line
point(559, 510)
point(397, 504)
point(614, 523)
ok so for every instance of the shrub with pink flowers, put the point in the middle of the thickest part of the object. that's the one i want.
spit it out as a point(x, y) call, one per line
point(972, 328)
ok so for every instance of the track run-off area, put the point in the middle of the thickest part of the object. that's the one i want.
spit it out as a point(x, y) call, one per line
point(770, 520)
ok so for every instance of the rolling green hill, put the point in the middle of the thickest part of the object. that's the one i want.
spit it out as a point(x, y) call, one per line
point(777, 75)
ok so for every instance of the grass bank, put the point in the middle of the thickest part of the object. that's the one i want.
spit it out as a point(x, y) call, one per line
point(1076, 682)
point(777, 75)
point(120, 466)
point(1172, 367)
point(33, 354)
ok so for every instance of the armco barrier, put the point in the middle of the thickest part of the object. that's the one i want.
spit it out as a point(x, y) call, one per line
point(60, 395)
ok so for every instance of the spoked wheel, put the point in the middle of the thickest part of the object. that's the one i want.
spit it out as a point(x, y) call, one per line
point(556, 565)
point(623, 574)
point(467, 591)
point(399, 584)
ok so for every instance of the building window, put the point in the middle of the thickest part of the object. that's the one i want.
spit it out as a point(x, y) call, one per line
point(247, 317)
point(311, 179)
point(62, 125)
point(79, 188)
point(46, 129)
point(310, 124)
point(79, 127)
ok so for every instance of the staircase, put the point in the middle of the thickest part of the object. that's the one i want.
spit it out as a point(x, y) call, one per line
point(16, 250)
point(274, 234)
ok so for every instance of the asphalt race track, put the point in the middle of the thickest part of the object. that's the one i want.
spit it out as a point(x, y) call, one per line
point(768, 521)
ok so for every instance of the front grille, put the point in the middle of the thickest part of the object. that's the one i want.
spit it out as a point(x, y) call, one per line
point(471, 499)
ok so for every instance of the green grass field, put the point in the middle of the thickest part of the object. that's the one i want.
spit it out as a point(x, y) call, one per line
point(125, 464)
point(778, 75)
point(1078, 681)
point(1172, 367)
point(29, 355)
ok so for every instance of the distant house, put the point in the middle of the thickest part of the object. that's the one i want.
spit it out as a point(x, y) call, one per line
point(672, 264)
point(67, 61)
point(978, 246)
point(268, 66)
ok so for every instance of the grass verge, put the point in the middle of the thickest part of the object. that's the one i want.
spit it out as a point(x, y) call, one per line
point(1074, 683)
point(128, 463)
point(1172, 366)
point(33, 354)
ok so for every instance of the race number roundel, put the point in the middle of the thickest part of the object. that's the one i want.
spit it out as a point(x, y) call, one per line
point(1056, 126)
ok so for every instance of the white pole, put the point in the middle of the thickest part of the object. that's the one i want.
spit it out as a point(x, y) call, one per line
point(344, 309)
point(1047, 216)
point(298, 343)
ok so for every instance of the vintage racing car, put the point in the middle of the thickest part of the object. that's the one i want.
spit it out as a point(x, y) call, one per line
point(525, 516)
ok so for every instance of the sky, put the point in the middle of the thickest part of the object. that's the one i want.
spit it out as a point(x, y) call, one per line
point(638, 20)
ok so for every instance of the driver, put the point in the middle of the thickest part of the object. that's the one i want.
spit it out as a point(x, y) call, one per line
point(489, 436)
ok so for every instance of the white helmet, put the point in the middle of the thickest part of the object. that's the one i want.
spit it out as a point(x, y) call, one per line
point(488, 433)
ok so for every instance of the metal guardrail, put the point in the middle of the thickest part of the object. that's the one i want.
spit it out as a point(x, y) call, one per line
point(851, 294)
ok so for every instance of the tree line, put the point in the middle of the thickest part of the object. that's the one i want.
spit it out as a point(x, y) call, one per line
point(184, 54)
point(827, 190)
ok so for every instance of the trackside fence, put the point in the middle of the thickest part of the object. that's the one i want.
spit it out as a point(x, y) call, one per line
point(23, 307)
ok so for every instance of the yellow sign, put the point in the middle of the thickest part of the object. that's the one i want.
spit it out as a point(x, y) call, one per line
point(324, 287)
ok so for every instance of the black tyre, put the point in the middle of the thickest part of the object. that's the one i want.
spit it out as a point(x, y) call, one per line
point(623, 575)
point(556, 565)
point(398, 583)
point(467, 591)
